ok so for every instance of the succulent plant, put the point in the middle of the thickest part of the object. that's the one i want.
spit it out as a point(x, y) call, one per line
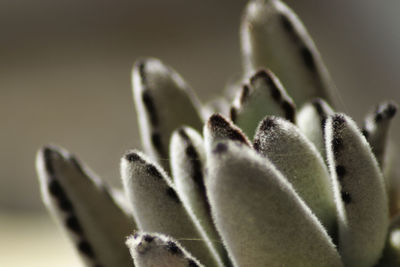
point(310, 188)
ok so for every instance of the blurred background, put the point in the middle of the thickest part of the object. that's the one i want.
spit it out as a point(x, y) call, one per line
point(65, 79)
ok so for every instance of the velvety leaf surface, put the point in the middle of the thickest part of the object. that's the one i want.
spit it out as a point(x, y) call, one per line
point(158, 208)
point(273, 37)
point(187, 166)
point(299, 161)
point(264, 95)
point(262, 220)
point(84, 207)
point(361, 198)
point(163, 103)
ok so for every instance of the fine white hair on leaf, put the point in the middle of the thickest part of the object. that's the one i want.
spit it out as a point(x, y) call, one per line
point(273, 37)
point(218, 128)
point(82, 204)
point(311, 119)
point(264, 95)
point(187, 167)
point(157, 207)
point(261, 219)
point(163, 103)
point(158, 250)
point(298, 160)
point(360, 194)
point(376, 129)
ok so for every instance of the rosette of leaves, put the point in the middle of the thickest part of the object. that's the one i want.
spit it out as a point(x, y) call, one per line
point(247, 180)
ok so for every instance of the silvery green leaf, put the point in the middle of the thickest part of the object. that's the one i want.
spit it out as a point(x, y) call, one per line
point(273, 37)
point(220, 128)
point(83, 206)
point(391, 253)
point(299, 161)
point(261, 219)
point(359, 192)
point(264, 95)
point(311, 120)
point(187, 166)
point(163, 103)
point(157, 207)
point(157, 250)
point(376, 129)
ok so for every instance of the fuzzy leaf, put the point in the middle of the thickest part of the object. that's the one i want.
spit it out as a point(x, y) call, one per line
point(273, 37)
point(156, 250)
point(220, 128)
point(83, 205)
point(264, 95)
point(311, 120)
point(359, 191)
point(157, 207)
point(299, 161)
point(163, 103)
point(262, 220)
point(187, 166)
point(376, 129)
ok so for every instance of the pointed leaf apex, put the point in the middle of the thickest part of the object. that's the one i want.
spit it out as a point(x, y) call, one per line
point(133, 156)
point(149, 249)
point(377, 128)
point(263, 95)
point(268, 123)
point(322, 108)
point(163, 103)
point(137, 163)
point(221, 128)
point(83, 204)
point(272, 36)
point(277, 92)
